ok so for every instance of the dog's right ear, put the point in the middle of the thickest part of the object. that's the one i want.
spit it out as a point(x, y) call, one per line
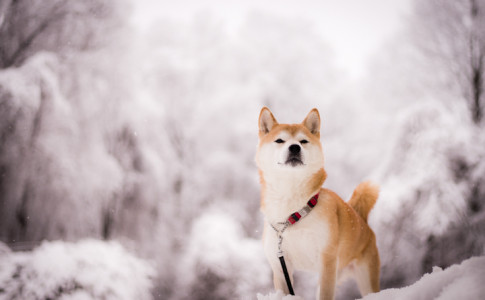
point(266, 121)
point(312, 122)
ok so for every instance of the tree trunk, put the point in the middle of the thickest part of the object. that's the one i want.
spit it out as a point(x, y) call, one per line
point(477, 84)
point(476, 62)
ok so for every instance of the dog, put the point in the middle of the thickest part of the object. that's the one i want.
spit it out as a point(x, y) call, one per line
point(332, 238)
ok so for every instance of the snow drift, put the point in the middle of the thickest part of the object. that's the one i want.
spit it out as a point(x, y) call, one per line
point(463, 281)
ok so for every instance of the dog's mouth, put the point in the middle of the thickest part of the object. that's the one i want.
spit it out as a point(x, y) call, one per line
point(294, 161)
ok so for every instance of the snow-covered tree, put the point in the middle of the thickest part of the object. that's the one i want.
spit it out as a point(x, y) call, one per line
point(428, 181)
point(425, 92)
point(60, 26)
point(450, 35)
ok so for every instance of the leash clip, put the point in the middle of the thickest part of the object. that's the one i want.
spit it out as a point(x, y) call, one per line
point(279, 234)
point(280, 242)
point(281, 257)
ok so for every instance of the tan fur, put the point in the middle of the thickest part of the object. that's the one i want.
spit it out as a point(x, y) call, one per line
point(334, 239)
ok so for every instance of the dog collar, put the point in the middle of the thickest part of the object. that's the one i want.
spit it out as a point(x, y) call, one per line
point(297, 216)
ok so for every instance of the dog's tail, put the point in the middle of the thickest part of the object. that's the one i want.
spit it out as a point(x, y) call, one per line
point(364, 197)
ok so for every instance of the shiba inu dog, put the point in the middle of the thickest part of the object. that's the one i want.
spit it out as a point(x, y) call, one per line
point(312, 227)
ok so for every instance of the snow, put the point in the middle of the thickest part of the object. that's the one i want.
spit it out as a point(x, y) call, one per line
point(463, 281)
point(88, 269)
point(278, 295)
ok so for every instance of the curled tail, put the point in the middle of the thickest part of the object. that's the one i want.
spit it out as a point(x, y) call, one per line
point(364, 197)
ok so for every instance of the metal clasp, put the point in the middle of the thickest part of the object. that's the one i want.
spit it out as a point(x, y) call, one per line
point(279, 234)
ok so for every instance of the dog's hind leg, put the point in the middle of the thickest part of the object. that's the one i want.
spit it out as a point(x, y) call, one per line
point(367, 271)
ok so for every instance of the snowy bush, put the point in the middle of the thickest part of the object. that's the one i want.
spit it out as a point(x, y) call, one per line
point(88, 269)
point(220, 263)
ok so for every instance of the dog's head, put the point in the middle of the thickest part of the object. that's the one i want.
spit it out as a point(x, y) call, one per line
point(289, 147)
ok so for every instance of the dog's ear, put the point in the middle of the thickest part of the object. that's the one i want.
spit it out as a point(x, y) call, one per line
point(266, 121)
point(312, 122)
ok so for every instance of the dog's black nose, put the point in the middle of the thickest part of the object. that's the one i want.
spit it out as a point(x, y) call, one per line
point(295, 149)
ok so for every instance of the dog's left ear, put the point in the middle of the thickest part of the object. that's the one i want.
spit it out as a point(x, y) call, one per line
point(312, 122)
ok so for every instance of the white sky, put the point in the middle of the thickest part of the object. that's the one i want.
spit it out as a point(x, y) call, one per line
point(354, 28)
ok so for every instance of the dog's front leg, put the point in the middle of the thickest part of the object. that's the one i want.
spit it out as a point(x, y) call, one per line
point(328, 276)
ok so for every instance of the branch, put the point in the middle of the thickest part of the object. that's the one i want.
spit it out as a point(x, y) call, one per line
point(51, 17)
point(4, 5)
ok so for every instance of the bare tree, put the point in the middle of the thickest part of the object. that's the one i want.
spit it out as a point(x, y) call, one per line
point(27, 27)
point(450, 34)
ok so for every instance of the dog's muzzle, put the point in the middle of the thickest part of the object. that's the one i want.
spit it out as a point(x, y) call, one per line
point(294, 156)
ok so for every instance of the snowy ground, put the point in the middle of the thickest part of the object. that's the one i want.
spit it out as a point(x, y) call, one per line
point(463, 281)
point(278, 295)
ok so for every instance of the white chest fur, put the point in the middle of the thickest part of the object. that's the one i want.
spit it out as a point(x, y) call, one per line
point(303, 243)
point(284, 195)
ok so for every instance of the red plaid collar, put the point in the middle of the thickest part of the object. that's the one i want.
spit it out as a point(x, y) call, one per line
point(296, 216)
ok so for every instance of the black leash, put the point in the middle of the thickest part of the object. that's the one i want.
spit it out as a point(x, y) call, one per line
point(287, 276)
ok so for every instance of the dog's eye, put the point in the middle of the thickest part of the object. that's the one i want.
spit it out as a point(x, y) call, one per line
point(303, 142)
point(279, 141)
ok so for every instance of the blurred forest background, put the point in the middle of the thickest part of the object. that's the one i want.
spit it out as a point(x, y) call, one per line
point(137, 150)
